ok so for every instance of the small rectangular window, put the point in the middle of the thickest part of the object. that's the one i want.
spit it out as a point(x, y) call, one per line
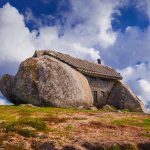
point(93, 79)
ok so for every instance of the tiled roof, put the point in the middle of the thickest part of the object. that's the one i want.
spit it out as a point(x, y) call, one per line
point(85, 67)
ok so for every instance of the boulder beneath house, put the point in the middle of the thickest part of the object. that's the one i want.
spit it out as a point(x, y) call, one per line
point(6, 83)
point(122, 97)
point(46, 81)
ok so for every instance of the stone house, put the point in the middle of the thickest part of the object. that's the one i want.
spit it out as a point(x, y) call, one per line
point(61, 80)
point(100, 78)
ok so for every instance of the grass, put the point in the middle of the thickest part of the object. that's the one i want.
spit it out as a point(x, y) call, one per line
point(23, 126)
point(115, 147)
point(27, 132)
point(55, 119)
point(69, 127)
point(134, 121)
point(32, 122)
point(17, 117)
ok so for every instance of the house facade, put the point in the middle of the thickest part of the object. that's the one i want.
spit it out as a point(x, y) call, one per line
point(100, 78)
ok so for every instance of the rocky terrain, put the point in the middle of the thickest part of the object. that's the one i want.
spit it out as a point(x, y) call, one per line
point(26, 127)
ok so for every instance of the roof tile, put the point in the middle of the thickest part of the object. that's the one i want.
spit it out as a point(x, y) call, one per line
point(86, 67)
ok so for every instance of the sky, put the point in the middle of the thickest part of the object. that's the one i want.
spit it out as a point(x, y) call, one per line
point(117, 31)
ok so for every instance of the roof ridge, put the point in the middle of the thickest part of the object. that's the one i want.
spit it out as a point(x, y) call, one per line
point(84, 66)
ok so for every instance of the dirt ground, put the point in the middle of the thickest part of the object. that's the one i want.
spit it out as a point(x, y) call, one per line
point(70, 129)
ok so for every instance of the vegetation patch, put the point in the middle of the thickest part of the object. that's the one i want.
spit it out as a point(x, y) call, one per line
point(69, 127)
point(134, 121)
point(27, 132)
point(94, 124)
point(55, 119)
point(18, 126)
point(64, 125)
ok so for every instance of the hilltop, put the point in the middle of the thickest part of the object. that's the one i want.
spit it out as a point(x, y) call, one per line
point(27, 127)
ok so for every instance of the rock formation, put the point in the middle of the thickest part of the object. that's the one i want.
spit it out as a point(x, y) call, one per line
point(45, 81)
point(122, 97)
point(59, 80)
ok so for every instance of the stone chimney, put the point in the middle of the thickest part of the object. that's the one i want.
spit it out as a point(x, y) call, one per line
point(99, 61)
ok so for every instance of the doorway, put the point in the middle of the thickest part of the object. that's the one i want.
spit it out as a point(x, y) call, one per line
point(95, 96)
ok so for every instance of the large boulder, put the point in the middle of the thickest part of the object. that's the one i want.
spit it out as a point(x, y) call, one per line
point(5, 85)
point(122, 97)
point(46, 81)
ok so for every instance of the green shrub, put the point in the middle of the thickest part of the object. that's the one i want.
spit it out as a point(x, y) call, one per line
point(27, 132)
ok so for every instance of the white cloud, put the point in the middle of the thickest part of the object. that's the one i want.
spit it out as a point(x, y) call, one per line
point(3, 101)
point(49, 39)
point(145, 90)
point(138, 77)
point(17, 42)
point(94, 22)
point(15, 39)
point(130, 47)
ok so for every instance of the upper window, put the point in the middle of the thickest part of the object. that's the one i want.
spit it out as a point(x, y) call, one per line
point(93, 79)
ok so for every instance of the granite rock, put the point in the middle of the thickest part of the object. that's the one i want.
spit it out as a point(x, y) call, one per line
point(122, 97)
point(46, 81)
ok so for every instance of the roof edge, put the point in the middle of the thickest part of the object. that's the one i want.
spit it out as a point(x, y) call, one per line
point(39, 53)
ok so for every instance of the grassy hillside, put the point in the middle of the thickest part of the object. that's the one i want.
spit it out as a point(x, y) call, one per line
point(24, 127)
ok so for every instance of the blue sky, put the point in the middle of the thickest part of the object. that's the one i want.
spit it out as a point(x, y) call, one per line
point(117, 31)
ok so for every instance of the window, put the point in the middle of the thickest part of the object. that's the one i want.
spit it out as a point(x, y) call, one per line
point(95, 96)
point(104, 81)
point(93, 79)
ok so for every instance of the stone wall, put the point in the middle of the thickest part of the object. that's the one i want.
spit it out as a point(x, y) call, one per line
point(103, 88)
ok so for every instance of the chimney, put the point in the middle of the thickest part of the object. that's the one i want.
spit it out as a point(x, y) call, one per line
point(99, 61)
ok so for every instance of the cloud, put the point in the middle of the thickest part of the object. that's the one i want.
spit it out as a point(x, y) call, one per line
point(145, 90)
point(49, 39)
point(37, 22)
point(15, 38)
point(93, 22)
point(3, 100)
point(17, 42)
point(138, 77)
point(130, 47)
